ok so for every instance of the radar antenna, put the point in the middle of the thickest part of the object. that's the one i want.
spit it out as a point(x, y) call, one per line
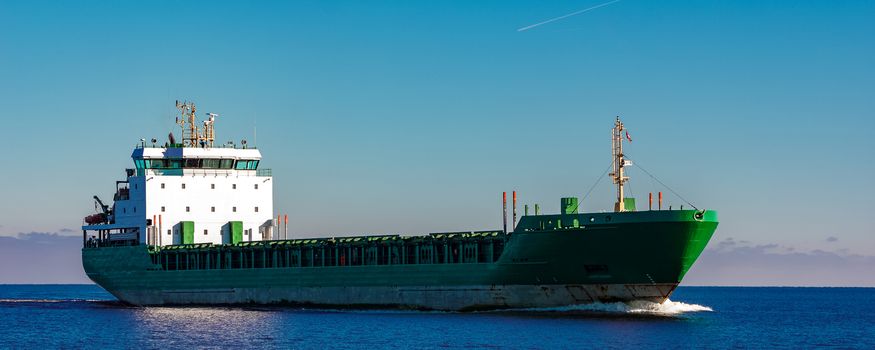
point(209, 129)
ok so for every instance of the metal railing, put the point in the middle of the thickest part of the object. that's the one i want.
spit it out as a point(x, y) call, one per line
point(179, 145)
point(215, 172)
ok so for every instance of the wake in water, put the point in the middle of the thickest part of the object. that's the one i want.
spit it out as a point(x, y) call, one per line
point(48, 300)
point(641, 307)
point(637, 307)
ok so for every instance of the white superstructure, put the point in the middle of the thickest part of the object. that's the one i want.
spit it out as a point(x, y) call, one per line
point(189, 193)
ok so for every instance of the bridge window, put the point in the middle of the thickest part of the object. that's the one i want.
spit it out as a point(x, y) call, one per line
point(211, 163)
point(245, 164)
point(215, 163)
point(163, 163)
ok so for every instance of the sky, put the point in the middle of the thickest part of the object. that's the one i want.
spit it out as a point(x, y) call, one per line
point(412, 117)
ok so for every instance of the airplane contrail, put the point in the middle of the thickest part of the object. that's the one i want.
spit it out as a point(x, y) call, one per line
point(566, 16)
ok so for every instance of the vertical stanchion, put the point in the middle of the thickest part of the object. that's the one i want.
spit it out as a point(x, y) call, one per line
point(504, 209)
point(513, 226)
point(660, 200)
point(160, 229)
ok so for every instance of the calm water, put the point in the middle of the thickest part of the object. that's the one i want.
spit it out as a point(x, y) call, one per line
point(74, 316)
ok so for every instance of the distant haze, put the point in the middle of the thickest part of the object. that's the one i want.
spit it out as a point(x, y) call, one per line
point(39, 258)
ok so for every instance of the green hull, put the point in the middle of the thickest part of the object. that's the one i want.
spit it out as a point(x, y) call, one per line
point(549, 260)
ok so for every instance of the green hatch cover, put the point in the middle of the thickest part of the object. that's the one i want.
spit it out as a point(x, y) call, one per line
point(629, 204)
point(569, 205)
point(187, 232)
point(236, 231)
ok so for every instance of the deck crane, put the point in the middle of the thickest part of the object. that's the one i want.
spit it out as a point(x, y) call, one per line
point(103, 213)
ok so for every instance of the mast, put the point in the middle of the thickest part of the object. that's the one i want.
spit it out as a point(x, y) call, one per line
point(191, 135)
point(619, 162)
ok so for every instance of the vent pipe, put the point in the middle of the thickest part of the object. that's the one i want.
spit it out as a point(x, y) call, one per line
point(660, 200)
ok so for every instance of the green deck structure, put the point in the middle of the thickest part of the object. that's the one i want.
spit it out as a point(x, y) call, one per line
point(548, 260)
point(187, 228)
point(236, 231)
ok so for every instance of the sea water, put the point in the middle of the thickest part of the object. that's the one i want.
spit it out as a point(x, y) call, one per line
point(85, 316)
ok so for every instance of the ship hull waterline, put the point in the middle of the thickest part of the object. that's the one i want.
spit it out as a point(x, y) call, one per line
point(636, 261)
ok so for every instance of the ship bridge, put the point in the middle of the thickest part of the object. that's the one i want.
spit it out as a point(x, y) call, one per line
point(188, 192)
point(181, 160)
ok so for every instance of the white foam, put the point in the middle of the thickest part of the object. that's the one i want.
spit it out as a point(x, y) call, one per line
point(638, 307)
point(667, 308)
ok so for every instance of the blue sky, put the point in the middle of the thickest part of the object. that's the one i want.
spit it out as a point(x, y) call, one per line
point(412, 117)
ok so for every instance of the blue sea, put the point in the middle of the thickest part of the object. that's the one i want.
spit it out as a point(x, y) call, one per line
point(85, 316)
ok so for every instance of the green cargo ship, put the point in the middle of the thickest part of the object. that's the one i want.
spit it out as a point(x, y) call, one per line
point(240, 258)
